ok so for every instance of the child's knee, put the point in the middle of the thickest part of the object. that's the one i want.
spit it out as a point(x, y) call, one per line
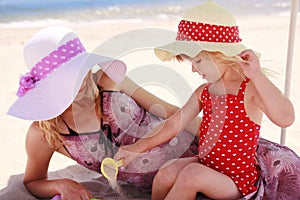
point(164, 176)
point(189, 175)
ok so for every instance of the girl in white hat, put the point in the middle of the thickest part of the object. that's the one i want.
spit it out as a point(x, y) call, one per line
point(232, 102)
point(83, 115)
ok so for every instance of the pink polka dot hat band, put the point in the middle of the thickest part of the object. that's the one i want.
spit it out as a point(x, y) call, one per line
point(57, 63)
point(49, 63)
point(209, 27)
point(188, 30)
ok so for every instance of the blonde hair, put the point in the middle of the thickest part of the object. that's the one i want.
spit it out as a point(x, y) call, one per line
point(219, 57)
point(232, 61)
point(50, 127)
point(50, 132)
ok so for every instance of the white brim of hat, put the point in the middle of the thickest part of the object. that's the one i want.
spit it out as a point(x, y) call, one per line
point(192, 48)
point(43, 102)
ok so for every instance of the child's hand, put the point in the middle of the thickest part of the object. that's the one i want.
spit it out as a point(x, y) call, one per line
point(250, 63)
point(127, 153)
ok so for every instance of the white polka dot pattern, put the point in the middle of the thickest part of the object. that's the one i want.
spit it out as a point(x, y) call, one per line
point(228, 138)
point(196, 31)
point(49, 64)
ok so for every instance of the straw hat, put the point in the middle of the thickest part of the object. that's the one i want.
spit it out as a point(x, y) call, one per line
point(206, 27)
point(57, 63)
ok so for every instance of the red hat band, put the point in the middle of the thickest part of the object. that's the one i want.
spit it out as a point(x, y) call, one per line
point(196, 31)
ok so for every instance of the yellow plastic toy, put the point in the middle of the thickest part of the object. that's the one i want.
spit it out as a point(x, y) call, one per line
point(110, 168)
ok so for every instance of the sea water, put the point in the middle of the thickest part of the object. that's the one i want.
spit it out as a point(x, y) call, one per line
point(40, 12)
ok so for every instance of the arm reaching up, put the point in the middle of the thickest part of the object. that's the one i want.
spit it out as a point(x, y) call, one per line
point(270, 99)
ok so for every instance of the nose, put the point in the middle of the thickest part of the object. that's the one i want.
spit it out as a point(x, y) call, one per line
point(194, 69)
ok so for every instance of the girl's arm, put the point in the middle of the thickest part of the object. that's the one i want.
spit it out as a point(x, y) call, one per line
point(155, 105)
point(271, 101)
point(163, 132)
point(35, 179)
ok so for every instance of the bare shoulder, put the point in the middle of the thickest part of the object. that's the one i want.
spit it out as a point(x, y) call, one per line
point(250, 91)
point(34, 133)
point(35, 141)
point(39, 154)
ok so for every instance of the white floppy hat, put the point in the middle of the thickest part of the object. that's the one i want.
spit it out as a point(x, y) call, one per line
point(57, 63)
point(207, 27)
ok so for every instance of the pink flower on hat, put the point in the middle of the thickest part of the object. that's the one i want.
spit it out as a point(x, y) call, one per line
point(49, 63)
point(26, 83)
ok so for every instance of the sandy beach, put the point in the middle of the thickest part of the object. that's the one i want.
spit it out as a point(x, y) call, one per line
point(267, 34)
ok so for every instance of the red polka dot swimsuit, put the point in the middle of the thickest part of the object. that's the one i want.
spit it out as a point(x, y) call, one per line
point(228, 138)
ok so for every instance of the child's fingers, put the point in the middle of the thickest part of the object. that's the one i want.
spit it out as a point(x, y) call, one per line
point(245, 55)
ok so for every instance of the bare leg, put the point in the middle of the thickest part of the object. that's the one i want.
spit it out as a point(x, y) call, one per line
point(196, 177)
point(167, 175)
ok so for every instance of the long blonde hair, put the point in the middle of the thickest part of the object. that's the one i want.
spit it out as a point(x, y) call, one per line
point(50, 127)
point(50, 132)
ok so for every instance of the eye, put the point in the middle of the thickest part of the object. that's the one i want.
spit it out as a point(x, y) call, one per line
point(198, 61)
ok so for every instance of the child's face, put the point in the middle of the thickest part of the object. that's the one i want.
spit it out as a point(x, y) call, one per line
point(204, 66)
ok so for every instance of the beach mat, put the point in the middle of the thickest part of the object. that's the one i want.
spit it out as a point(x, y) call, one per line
point(96, 184)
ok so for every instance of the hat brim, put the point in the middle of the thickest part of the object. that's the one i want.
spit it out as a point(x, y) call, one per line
point(192, 48)
point(54, 94)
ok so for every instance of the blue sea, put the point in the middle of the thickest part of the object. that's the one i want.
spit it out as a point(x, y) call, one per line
point(26, 12)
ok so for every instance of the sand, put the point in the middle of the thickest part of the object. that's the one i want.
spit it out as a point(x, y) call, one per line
point(267, 34)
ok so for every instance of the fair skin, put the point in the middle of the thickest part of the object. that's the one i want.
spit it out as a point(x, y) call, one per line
point(39, 152)
point(187, 174)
